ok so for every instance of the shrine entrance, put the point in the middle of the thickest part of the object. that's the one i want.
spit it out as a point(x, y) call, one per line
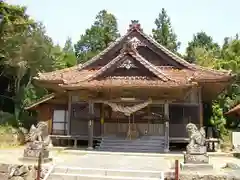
point(135, 128)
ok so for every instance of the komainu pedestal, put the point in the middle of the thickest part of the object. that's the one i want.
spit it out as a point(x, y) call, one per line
point(196, 158)
point(38, 142)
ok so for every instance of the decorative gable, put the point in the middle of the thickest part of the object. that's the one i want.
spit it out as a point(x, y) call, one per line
point(128, 64)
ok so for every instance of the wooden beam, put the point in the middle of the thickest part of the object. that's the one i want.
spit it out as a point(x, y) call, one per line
point(132, 101)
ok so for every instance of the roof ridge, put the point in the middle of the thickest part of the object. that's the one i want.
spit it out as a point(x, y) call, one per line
point(152, 67)
point(179, 59)
point(137, 57)
point(95, 58)
point(103, 69)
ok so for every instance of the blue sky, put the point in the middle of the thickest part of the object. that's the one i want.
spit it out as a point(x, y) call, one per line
point(63, 18)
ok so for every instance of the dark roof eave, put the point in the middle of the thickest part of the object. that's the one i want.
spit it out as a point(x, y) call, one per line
point(234, 110)
point(67, 87)
point(40, 101)
point(55, 81)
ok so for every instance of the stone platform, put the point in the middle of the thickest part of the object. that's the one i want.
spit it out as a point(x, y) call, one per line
point(196, 162)
point(35, 159)
point(196, 158)
point(35, 153)
point(195, 167)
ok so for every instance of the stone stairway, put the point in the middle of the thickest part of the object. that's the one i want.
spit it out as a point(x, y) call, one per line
point(151, 144)
point(77, 173)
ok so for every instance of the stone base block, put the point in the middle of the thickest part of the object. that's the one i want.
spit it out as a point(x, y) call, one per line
point(196, 158)
point(195, 167)
point(34, 159)
point(34, 153)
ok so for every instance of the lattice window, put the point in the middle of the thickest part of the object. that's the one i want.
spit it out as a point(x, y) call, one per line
point(60, 125)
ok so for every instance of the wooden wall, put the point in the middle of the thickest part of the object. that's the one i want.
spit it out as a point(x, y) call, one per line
point(180, 115)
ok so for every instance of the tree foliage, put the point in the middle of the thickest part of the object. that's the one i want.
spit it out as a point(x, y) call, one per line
point(69, 54)
point(25, 50)
point(203, 41)
point(227, 58)
point(163, 33)
point(103, 31)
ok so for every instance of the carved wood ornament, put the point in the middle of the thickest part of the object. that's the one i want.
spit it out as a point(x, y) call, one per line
point(127, 64)
point(130, 47)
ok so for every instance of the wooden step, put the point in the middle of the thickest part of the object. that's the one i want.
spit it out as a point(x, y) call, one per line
point(143, 144)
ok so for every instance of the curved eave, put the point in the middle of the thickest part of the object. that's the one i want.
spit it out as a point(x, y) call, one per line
point(53, 81)
point(226, 78)
point(50, 86)
point(234, 110)
point(126, 86)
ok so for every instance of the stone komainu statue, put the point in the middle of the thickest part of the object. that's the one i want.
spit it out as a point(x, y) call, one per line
point(38, 142)
point(197, 141)
point(39, 134)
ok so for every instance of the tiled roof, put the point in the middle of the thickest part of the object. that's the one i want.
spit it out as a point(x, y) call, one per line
point(80, 76)
point(125, 82)
point(137, 57)
point(40, 101)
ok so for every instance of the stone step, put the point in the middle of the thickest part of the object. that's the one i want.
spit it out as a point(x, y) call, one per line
point(62, 176)
point(132, 150)
point(123, 146)
point(93, 173)
point(132, 141)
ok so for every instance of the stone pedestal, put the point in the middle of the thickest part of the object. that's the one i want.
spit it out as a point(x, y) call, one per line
point(196, 161)
point(195, 167)
point(196, 158)
point(35, 153)
point(33, 150)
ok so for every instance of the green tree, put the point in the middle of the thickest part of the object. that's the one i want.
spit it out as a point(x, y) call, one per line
point(217, 119)
point(163, 33)
point(227, 59)
point(68, 47)
point(203, 41)
point(231, 61)
point(69, 54)
point(103, 31)
point(25, 50)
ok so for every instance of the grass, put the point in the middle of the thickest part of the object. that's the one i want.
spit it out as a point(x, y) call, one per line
point(8, 137)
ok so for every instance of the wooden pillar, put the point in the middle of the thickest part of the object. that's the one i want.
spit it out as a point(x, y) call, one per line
point(166, 126)
point(69, 113)
point(149, 114)
point(102, 119)
point(90, 126)
point(200, 106)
